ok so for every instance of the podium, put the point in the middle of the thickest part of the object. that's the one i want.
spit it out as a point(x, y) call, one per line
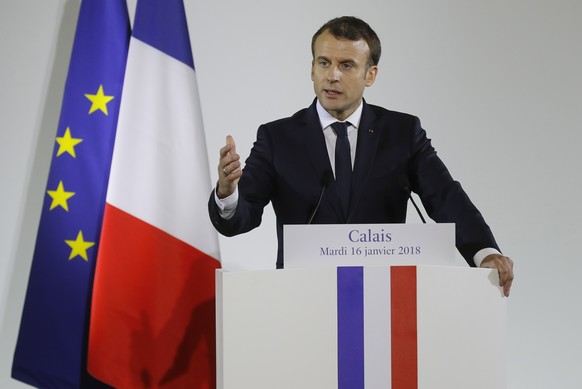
point(356, 327)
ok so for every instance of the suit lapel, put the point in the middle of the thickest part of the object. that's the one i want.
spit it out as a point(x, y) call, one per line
point(314, 141)
point(365, 154)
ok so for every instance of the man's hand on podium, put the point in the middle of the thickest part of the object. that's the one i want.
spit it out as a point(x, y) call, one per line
point(504, 266)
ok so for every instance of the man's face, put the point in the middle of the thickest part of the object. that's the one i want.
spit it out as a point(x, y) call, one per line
point(340, 73)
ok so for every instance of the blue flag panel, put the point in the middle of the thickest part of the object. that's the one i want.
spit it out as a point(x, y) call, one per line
point(163, 25)
point(52, 342)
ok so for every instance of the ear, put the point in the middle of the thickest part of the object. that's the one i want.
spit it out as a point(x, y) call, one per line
point(312, 65)
point(371, 75)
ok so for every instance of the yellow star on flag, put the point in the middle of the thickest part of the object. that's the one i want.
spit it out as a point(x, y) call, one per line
point(79, 247)
point(67, 143)
point(99, 101)
point(60, 197)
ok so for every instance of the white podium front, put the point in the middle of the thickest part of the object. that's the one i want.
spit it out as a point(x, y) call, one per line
point(361, 327)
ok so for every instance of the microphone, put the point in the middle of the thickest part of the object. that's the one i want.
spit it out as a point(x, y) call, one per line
point(326, 179)
point(406, 184)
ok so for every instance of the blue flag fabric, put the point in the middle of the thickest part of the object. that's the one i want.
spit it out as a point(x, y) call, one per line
point(51, 349)
point(163, 25)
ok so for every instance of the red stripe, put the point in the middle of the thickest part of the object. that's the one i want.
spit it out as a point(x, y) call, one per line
point(404, 333)
point(153, 313)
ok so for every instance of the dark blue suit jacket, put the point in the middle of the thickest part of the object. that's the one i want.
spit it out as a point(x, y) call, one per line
point(394, 155)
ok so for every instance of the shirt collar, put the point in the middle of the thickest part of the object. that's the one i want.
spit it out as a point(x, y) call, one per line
point(326, 119)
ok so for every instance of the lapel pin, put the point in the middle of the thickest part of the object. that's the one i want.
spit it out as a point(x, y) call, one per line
point(371, 131)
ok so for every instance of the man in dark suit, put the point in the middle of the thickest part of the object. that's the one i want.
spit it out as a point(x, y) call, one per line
point(366, 157)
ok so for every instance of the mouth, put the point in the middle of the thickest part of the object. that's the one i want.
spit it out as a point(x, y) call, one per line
point(332, 92)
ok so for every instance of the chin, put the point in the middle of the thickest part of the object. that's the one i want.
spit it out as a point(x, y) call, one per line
point(330, 105)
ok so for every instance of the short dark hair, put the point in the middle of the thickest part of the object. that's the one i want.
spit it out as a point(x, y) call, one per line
point(353, 29)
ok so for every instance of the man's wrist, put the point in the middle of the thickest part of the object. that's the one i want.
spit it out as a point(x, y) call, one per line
point(226, 205)
point(481, 254)
point(219, 194)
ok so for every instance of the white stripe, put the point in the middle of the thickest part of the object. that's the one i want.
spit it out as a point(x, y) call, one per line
point(377, 328)
point(461, 329)
point(160, 170)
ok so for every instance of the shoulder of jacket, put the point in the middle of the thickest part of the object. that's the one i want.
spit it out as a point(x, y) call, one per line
point(381, 111)
point(298, 117)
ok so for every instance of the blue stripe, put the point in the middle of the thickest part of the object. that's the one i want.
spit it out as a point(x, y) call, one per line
point(162, 24)
point(350, 312)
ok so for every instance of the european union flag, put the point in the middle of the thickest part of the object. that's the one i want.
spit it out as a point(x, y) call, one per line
point(52, 343)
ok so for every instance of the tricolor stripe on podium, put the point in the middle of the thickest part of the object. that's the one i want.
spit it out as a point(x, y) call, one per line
point(377, 327)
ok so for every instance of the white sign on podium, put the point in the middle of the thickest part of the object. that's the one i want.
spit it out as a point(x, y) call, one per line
point(368, 244)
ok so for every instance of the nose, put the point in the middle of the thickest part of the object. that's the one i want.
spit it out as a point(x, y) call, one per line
point(333, 74)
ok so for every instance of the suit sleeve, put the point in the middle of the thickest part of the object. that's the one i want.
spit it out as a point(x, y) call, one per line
point(255, 188)
point(444, 199)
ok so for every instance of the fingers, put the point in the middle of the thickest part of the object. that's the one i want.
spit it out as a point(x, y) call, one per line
point(230, 142)
point(229, 162)
point(228, 151)
point(506, 275)
point(504, 266)
point(229, 168)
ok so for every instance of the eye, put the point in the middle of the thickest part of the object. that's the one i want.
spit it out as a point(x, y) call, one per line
point(347, 65)
point(323, 63)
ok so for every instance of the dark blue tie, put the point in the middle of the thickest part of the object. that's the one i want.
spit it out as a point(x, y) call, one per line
point(343, 164)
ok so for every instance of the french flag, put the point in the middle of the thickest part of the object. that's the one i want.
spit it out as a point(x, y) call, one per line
point(153, 308)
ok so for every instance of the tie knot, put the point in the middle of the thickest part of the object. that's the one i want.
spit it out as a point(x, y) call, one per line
point(340, 128)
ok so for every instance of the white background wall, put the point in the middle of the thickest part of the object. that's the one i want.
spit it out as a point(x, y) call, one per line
point(497, 84)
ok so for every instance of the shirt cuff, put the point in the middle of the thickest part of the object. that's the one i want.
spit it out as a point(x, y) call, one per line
point(481, 254)
point(227, 205)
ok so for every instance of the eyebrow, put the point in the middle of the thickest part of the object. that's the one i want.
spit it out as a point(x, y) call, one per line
point(344, 60)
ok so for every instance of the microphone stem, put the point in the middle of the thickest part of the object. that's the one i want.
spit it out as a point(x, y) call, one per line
point(417, 209)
